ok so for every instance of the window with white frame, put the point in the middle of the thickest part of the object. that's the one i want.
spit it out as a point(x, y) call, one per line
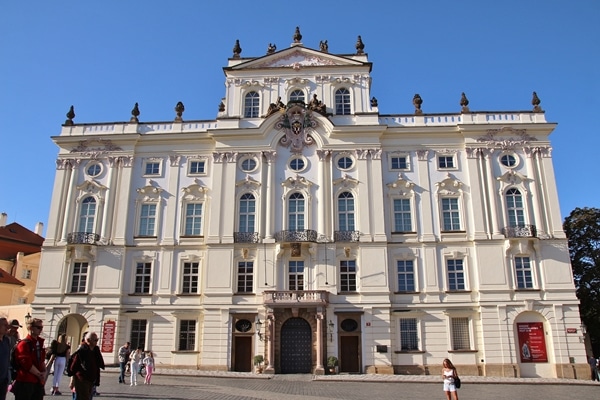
point(402, 215)
point(193, 219)
point(399, 163)
point(296, 275)
point(190, 277)
point(247, 213)
point(147, 225)
point(152, 168)
point(79, 277)
point(248, 164)
point(450, 214)
point(245, 277)
point(509, 160)
point(409, 335)
point(187, 335)
point(87, 215)
point(406, 275)
point(297, 95)
point(342, 102)
point(138, 333)
point(456, 274)
point(251, 105)
point(297, 163)
point(26, 274)
point(446, 161)
point(197, 167)
point(296, 209)
point(345, 163)
point(348, 276)
point(514, 208)
point(346, 212)
point(523, 273)
point(143, 273)
point(460, 330)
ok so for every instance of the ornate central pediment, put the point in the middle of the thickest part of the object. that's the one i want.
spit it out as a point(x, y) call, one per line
point(297, 57)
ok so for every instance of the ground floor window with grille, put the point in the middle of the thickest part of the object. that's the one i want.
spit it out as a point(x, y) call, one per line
point(138, 333)
point(409, 338)
point(460, 333)
point(187, 334)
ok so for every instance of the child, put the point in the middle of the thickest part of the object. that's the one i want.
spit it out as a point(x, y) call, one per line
point(149, 363)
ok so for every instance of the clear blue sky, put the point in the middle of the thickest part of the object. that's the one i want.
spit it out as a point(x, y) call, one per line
point(103, 56)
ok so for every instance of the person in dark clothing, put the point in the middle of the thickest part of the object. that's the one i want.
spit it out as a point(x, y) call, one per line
point(4, 358)
point(86, 367)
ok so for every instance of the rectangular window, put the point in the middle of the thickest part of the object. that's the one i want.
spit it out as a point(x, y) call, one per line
point(26, 274)
point(22, 300)
point(79, 280)
point(523, 272)
point(456, 275)
point(348, 275)
point(147, 220)
point(445, 162)
point(190, 278)
point(406, 276)
point(296, 275)
point(450, 214)
point(142, 277)
point(138, 333)
point(187, 335)
point(409, 338)
point(197, 167)
point(193, 219)
point(399, 163)
point(402, 215)
point(152, 168)
point(245, 277)
point(460, 334)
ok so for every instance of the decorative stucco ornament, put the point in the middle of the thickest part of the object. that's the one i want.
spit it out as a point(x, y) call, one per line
point(295, 122)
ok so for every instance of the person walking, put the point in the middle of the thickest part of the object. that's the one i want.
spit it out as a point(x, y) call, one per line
point(60, 354)
point(123, 359)
point(4, 358)
point(85, 367)
point(31, 355)
point(592, 362)
point(135, 358)
point(449, 374)
point(13, 333)
point(149, 363)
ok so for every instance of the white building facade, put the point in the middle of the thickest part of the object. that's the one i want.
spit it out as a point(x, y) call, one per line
point(313, 226)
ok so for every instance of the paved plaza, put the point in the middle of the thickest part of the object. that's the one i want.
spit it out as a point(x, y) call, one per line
point(188, 384)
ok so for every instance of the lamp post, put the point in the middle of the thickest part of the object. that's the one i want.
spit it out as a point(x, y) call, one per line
point(27, 318)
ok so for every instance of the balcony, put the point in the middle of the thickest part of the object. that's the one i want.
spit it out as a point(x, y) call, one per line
point(296, 298)
point(307, 235)
point(521, 231)
point(82, 238)
point(245, 237)
point(346, 236)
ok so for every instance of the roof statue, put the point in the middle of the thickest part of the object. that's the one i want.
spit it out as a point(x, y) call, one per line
point(274, 107)
point(324, 46)
point(535, 101)
point(360, 46)
point(70, 116)
point(179, 109)
point(135, 113)
point(464, 102)
point(221, 107)
point(297, 35)
point(317, 105)
point(271, 48)
point(417, 101)
point(374, 102)
point(237, 50)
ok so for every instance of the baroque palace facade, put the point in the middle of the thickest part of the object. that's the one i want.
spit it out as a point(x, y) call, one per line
point(301, 223)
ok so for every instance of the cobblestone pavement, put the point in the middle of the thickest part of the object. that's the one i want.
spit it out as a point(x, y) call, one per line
point(191, 384)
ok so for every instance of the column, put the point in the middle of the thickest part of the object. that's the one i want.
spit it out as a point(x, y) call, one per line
point(319, 370)
point(493, 193)
point(322, 220)
point(536, 198)
point(270, 343)
point(269, 196)
point(69, 207)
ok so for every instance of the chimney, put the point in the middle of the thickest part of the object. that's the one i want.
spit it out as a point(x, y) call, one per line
point(3, 218)
point(39, 228)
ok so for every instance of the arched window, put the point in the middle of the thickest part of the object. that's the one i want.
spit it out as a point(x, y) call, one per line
point(251, 104)
point(342, 102)
point(297, 95)
point(514, 208)
point(346, 211)
point(87, 215)
point(296, 212)
point(247, 213)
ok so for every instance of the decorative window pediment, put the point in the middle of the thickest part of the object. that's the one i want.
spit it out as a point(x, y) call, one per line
point(297, 183)
point(401, 187)
point(512, 178)
point(149, 193)
point(449, 186)
point(92, 187)
point(194, 192)
point(248, 184)
point(346, 182)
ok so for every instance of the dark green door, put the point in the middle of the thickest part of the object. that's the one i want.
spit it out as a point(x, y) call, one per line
point(296, 345)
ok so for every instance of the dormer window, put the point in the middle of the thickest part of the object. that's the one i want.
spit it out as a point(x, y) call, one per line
point(251, 105)
point(342, 102)
point(297, 95)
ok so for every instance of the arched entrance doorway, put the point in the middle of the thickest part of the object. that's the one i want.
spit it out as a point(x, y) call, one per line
point(74, 326)
point(296, 347)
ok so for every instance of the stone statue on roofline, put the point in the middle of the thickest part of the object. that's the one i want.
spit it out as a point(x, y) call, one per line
point(317, 105)
point(324, 46)
point(272, 48)
point(417, 101)
point(535, 102)
point(274, 107)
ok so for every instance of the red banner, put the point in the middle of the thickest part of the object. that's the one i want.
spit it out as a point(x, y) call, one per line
point(108, 336)
point(532, 342)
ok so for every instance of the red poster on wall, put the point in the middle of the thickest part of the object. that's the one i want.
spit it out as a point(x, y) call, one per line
point(532, 342)
point(108, 336)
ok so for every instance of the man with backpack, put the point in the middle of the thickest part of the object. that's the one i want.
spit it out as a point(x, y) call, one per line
point(29, 361)
point(85, 367)
point(4, 358)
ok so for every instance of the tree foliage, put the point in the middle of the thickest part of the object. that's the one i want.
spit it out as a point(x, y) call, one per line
point(582, 227)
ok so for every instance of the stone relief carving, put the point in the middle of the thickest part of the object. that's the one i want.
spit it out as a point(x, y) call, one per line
point(295, 122)
point(401, 186)
point(296, 60)
point(149, 193)
point(95, 147)
point(175, 160)
point(194, 192)
point(346, 181)
point(492, 138)
point(422, 155)
point(223, 157)
point(248, 183)
point(449, 185)
point(542, 151)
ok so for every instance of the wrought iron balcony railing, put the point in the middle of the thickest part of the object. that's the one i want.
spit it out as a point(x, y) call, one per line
point(520, 231)
point(346, 236)
point(307, 235)
point(245, 237)
point(295, 297)
point(82, 238)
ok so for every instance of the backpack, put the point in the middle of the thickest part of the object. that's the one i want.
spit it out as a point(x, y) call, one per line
point(69, 366)
point(14, 362)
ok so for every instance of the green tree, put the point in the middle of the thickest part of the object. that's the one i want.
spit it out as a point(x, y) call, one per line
point(582, 227)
